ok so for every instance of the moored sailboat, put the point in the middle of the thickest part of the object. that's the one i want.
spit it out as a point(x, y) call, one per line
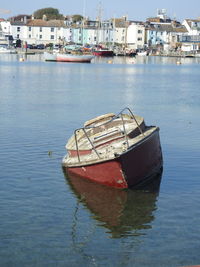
point(63, 57)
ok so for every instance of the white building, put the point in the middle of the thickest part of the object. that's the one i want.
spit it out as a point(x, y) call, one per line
point(135, 35)
point(40, 31)
point(192, 26)
point(6, 27)
point(120, 26)
point(18, 30)
point(191, 40)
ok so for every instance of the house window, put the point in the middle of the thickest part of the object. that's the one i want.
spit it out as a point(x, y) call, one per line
point(18, 29)
point(52, 29)
point(95, 38)
point(139, 31)
point(40, 29)
point(139, 39)
point(29, 36)
point(52, 37)
point(40, 36)
point(29, 28)
point(17, 36)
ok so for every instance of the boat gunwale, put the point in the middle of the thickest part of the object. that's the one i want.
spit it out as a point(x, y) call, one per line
point(101, 160)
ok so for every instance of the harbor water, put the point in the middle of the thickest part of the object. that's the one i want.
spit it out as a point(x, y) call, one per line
point(48, 219)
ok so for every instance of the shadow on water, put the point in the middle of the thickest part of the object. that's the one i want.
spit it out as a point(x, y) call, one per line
point(122, 212)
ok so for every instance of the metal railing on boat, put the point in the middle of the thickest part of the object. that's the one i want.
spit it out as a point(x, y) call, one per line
point(124, 132)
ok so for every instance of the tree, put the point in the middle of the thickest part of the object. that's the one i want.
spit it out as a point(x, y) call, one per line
point(50, 13)
point(76, 18)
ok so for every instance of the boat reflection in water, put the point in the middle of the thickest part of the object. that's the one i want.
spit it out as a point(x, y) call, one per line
point(123, 212)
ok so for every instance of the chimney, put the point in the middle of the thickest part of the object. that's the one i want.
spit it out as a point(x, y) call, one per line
point(44, 17)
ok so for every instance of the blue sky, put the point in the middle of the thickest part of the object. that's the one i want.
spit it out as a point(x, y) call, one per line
point(136, 10)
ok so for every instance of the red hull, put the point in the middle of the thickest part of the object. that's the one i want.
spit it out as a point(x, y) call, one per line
point(103, 53)
point(107, 173)
point(64, 59)
point(129, 169)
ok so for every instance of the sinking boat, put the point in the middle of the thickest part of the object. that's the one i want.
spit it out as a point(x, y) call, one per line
point(62, 57)
point(119, 151)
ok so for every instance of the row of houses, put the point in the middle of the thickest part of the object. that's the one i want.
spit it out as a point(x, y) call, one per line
point(159, 32)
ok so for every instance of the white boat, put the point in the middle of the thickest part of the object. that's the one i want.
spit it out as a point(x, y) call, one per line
point(142, 53)
point(62, 57)
point(6, 50)
point(50, 56)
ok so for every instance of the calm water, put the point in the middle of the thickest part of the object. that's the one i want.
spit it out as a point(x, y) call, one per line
point(48, 220)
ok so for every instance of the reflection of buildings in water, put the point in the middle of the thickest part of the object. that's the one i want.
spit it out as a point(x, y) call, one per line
point(123, 212)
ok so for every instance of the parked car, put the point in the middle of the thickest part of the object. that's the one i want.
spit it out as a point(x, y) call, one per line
point(40, 46)
point(29, 46)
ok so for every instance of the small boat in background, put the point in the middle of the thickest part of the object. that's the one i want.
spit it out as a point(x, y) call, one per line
point(62, 57)
point(126, 53)
point(7, 50)
point(142, 53)
point(119, 151)
point(190, 55)
point(103, 52)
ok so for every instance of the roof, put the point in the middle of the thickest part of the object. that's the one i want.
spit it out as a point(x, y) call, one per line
point(192, 20)
point(18, 23)
point(166, 28)
point(44, 23)
point(160, 20)
point(120, 22)
point(189, 21)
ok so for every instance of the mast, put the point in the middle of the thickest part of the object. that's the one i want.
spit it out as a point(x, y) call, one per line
point(126, 26)
point(83, 21)
point(99, 17)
